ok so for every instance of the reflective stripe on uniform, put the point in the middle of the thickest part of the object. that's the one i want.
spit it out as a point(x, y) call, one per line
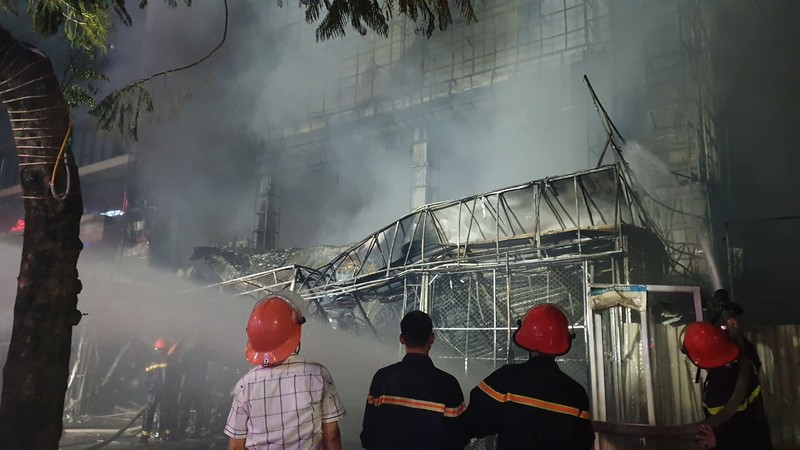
point(455, 412)
point(750, 399)
point(416, 404)
point(155, 366)
point(533, 402)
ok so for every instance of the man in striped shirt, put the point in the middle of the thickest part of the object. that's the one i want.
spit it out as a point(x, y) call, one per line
point(533, 405)
point(412, 404)
point(285, 402)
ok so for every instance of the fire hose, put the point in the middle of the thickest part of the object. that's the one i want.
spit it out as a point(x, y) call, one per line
point(689, 431)
point(109, 440)
point(120, 431)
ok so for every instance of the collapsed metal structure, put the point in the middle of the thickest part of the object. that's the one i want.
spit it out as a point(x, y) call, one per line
point(592, 242)
point(478, 263)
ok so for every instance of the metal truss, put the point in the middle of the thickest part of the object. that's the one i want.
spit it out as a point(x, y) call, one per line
point(580, 213)
point(581, 216)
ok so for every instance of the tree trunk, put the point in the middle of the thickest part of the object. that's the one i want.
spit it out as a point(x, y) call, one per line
point(35, 374)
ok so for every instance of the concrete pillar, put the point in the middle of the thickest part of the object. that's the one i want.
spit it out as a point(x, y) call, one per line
point(265, 235)
point(423, 170)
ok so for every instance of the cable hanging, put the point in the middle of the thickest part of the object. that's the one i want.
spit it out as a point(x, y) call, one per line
point(55, 168)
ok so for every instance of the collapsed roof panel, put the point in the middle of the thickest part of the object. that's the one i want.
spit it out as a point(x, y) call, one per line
point(534, 242)
point(529, 216)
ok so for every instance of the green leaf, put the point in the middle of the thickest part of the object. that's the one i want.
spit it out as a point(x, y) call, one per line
point(46, 17)
point(9, 7)
point(364, 15)
point(87, 23)
point(86, 73)
point(77, 96)
point(121, 110)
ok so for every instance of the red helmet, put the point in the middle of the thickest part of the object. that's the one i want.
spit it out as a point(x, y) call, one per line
point(273, 331)
point(162, 344)
point(545, 330)
point(707, 346)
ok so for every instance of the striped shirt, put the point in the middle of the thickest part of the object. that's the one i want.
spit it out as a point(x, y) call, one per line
point(284, 407)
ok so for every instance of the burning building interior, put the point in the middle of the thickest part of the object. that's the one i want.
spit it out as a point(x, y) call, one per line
point(327, 169)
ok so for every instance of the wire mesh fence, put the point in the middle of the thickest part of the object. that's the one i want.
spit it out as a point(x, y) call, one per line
point(476, 312)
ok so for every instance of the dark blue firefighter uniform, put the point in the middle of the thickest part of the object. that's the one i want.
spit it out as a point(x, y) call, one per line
point(413, 405)
point(748, 429)
point(163, 396)
point(532, 405)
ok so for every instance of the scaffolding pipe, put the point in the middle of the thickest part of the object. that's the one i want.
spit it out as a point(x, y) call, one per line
point(510, 356)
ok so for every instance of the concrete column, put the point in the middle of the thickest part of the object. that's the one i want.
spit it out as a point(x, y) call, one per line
point(267, 213)
point(423, 187)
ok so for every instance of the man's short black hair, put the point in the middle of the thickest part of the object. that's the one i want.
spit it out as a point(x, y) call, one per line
point(416, 327)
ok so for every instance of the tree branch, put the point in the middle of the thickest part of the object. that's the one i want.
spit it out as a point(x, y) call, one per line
point(199, 61)
point(111, 112)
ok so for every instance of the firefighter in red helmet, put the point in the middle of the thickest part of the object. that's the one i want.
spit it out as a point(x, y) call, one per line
point(163, 381)
point(533, 404)
point(285, 401)
point(709, 348)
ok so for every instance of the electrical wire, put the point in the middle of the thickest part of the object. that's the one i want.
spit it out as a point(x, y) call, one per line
point(55, 168)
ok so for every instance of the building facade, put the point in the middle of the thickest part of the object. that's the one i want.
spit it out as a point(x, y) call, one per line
point(516, 77)
point(358, 131)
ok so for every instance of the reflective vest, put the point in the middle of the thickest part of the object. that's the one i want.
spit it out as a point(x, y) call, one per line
point(748, 429)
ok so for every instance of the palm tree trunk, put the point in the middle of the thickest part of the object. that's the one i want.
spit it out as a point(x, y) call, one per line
point(35, 374)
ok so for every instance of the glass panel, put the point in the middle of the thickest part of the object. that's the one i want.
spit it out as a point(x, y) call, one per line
point(676, 395)
point(598, 206)
point(519, 213)
point(484, 228)
point(563, 198)
point(623, 368)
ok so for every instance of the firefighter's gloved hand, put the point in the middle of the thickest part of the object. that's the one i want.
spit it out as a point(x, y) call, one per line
point(706, 436)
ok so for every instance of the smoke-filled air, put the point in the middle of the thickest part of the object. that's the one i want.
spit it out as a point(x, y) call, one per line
point(626, 170)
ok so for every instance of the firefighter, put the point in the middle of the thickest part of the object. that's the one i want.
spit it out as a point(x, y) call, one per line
point(412, 404)
point(162, 381)
point(533, 405)
point(285, 401)
point(728, 317)
point(709, 348)
point(193, 370)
